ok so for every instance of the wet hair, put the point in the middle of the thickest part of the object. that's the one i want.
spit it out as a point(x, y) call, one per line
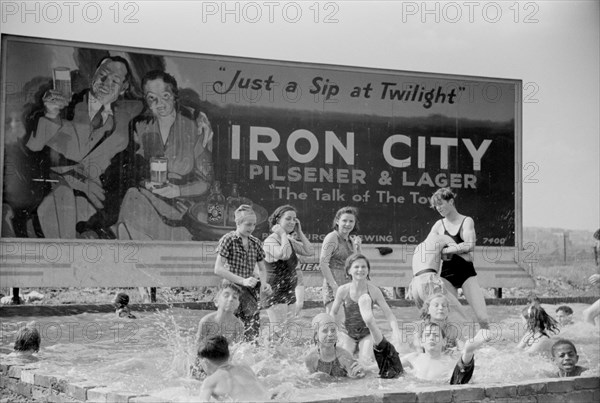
point(319, 320)
point(226, 284)
point(425, 309)
point(425, 324)
point(242, 212)
point(28, 339)
point(565, 308)
point(538, 320)
point(346, 210)
point(441, 194)
point(279, 212)
point(121, 300)
point(353, 258)
point(562, 342)
point(215, 348)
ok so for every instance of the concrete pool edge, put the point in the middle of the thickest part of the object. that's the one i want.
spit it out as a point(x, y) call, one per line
point(24, 380)
point(7, 311)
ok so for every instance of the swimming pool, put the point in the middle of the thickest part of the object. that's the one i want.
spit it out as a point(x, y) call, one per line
point(152, 355)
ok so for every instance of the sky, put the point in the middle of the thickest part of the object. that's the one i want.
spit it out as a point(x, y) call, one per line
point(552, 46)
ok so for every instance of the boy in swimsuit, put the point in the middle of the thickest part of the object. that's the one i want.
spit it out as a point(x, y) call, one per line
point(564, 355)
point(223, 321)
point(327, 357)
point(226, 381)
point(564, 314)
point(433, 365)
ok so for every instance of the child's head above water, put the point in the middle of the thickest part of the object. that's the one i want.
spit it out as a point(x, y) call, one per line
point(228, 296)
point(436, 308)
point(28, 339)
point(325, 329)
point(432, 337)
point(356, 261)
point(121, 300)
point(537, 320)
point(215, 348)
point(564, 313)
point(564, 355)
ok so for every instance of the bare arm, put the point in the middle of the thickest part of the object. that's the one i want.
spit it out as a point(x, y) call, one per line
point(302, 246)
point(330, 244)
point(222, 270)
point(482, 336)
point(208, 388)
point(277, 245)
point(341, 293)
point(311, 360)
point(469, 238)
point(353, 367)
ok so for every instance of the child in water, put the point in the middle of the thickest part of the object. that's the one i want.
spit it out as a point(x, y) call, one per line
point(327, 357)
point(537, 325)
point(227, 381)
point(360, 335)
point(121, 303)
point(564, 313)
point(436, 309)
point(564, 355)
point(223, 321)
point(27, 342)
point(433, 365)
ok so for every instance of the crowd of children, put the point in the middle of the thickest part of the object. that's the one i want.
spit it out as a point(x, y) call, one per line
point(343, 344)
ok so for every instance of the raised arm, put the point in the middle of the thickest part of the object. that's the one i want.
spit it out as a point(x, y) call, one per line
point(277, 245)
point(302, 245)
point(481, 337)
point(330, 244)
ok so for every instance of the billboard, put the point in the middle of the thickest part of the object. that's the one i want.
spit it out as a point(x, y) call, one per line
point(243, 130)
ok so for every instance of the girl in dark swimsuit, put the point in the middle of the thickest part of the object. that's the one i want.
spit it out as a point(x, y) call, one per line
point(326, 356)
point(457, 268)
point(358, 334)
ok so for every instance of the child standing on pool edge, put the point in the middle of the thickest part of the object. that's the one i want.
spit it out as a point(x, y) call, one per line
point(237, 254)
point(457, 266)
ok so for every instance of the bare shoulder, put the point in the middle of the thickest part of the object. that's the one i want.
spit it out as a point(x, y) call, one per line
point(311, 359)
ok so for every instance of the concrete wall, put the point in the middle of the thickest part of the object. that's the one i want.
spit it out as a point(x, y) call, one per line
point(28, 382)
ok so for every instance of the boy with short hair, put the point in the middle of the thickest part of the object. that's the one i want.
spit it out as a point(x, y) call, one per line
point(121, 303)
point(564, 355)
point(431, 364)
point(223, 321)
point(226, 381)
point(564, 313)
point(238, 253)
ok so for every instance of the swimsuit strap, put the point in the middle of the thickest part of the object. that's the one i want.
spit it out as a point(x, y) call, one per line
point(459, 228)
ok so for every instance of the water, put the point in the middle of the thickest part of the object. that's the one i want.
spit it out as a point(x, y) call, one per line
point(153, 354)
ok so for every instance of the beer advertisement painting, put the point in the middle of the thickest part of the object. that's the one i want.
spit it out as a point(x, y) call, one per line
point(189, 137)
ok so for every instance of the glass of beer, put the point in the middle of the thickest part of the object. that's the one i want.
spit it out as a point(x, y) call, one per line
point(158, 170)
point(61, 77)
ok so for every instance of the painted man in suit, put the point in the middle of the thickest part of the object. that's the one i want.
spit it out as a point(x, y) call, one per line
point(81, 146)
